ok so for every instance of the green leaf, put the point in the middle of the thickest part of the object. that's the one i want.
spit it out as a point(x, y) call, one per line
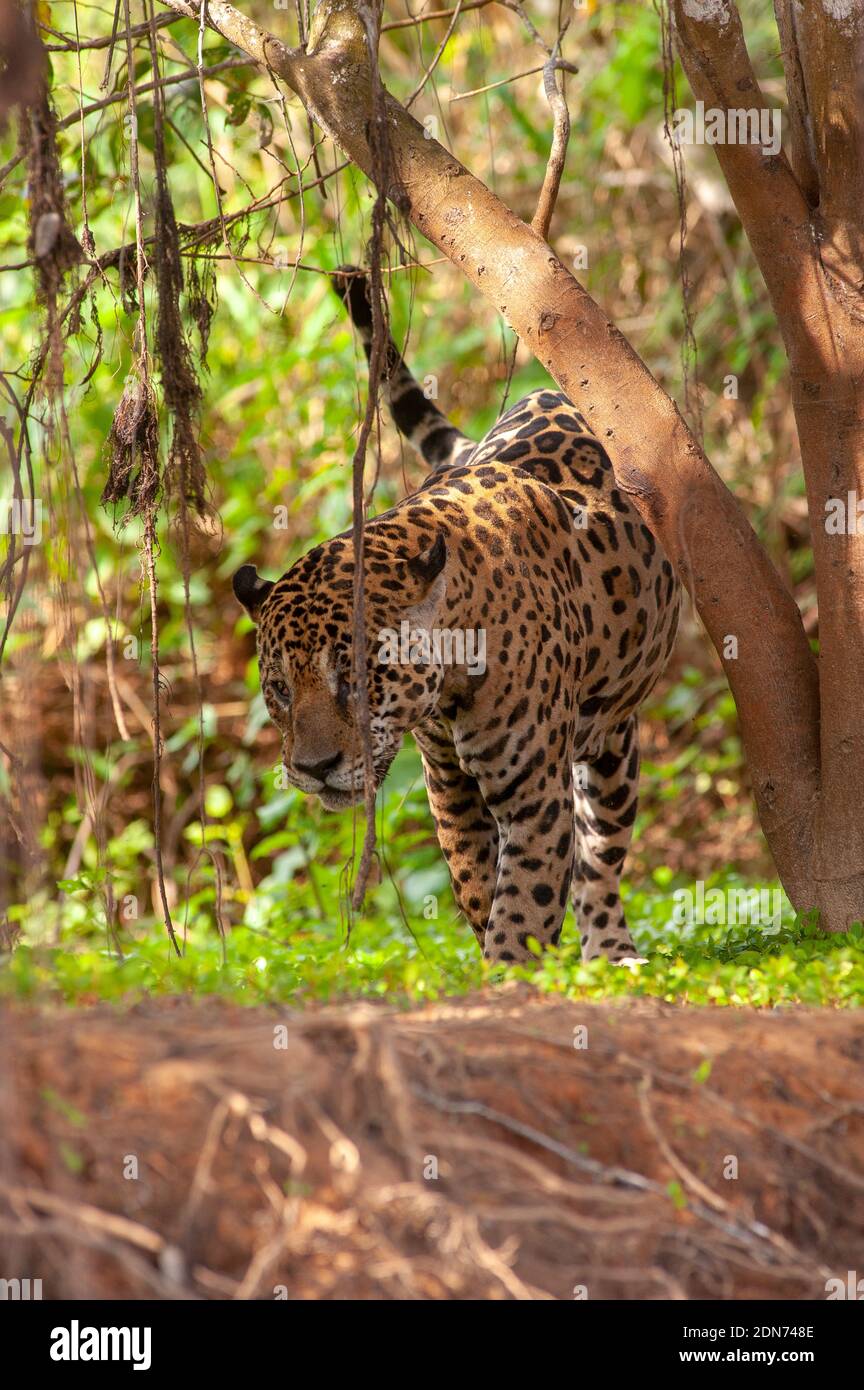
point(217, 801)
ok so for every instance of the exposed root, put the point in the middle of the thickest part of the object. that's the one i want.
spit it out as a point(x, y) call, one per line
point(461, 1151)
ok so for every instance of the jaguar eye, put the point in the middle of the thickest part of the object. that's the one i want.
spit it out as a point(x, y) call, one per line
point(281, 691)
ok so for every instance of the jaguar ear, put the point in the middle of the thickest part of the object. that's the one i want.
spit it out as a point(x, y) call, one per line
point(430, 562)
point(251, 590)
point(428, 568)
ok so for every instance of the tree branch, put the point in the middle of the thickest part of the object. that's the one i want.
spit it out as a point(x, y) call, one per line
point(71, 46)
point(560, 139)
point(802, 151)
point(805, 229)
point(770, 201)
point(823, 49)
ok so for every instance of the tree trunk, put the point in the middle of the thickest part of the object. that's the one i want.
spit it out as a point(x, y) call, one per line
point(808, 780)
point(804, 219)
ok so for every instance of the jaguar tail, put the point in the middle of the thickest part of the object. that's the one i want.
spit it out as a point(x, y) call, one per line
point(440, 444)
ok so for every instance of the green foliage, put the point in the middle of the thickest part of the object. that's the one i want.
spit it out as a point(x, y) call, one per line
point(291, 951)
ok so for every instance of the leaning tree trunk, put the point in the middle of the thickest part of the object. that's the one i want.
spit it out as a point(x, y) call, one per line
point(804, 218)
point(804, 224)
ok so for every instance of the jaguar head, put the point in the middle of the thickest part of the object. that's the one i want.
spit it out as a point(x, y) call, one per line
point(305, 639)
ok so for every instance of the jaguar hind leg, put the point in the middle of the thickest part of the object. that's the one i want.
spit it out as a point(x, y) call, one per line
point(606, 798)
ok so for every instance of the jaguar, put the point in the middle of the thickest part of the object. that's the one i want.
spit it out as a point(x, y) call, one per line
point(530, 757)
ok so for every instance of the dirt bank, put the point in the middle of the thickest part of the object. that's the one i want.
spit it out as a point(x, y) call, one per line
point(190, 1149)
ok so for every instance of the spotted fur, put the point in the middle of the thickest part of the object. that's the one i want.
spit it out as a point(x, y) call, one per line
point(532, 764)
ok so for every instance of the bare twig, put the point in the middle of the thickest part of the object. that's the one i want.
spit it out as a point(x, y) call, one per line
point(517, 77)
point(106, 41)
point(187, 75)
point(437, 56)
point(754, 1234)
point(436, 14)
point(560, 136)
point(85, 1215)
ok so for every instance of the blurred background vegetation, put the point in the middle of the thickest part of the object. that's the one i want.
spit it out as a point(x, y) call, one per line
point(283, 389)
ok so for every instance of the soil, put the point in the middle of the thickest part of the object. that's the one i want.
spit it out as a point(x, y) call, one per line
point(501, 1146)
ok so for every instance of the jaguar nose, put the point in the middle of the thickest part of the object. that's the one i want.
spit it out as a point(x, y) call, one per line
point(319, 769)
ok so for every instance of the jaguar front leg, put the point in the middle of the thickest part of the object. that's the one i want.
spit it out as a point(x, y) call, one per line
point(467, 830)
point(534, 813)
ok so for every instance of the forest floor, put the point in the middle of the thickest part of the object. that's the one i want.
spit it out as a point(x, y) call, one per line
point(503, 1145)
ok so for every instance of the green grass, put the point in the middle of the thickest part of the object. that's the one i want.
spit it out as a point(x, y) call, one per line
point(289, 944)
point(411, 961)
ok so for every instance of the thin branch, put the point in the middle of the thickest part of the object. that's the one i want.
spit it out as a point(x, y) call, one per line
point(436, 14)
point(560, 137)
point(166, 17)
point(188, 75)
point(197, 233)
point(560, 118)
point(437, 57)
point(517, 77)
point(754, 1235)
point(273, 264)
